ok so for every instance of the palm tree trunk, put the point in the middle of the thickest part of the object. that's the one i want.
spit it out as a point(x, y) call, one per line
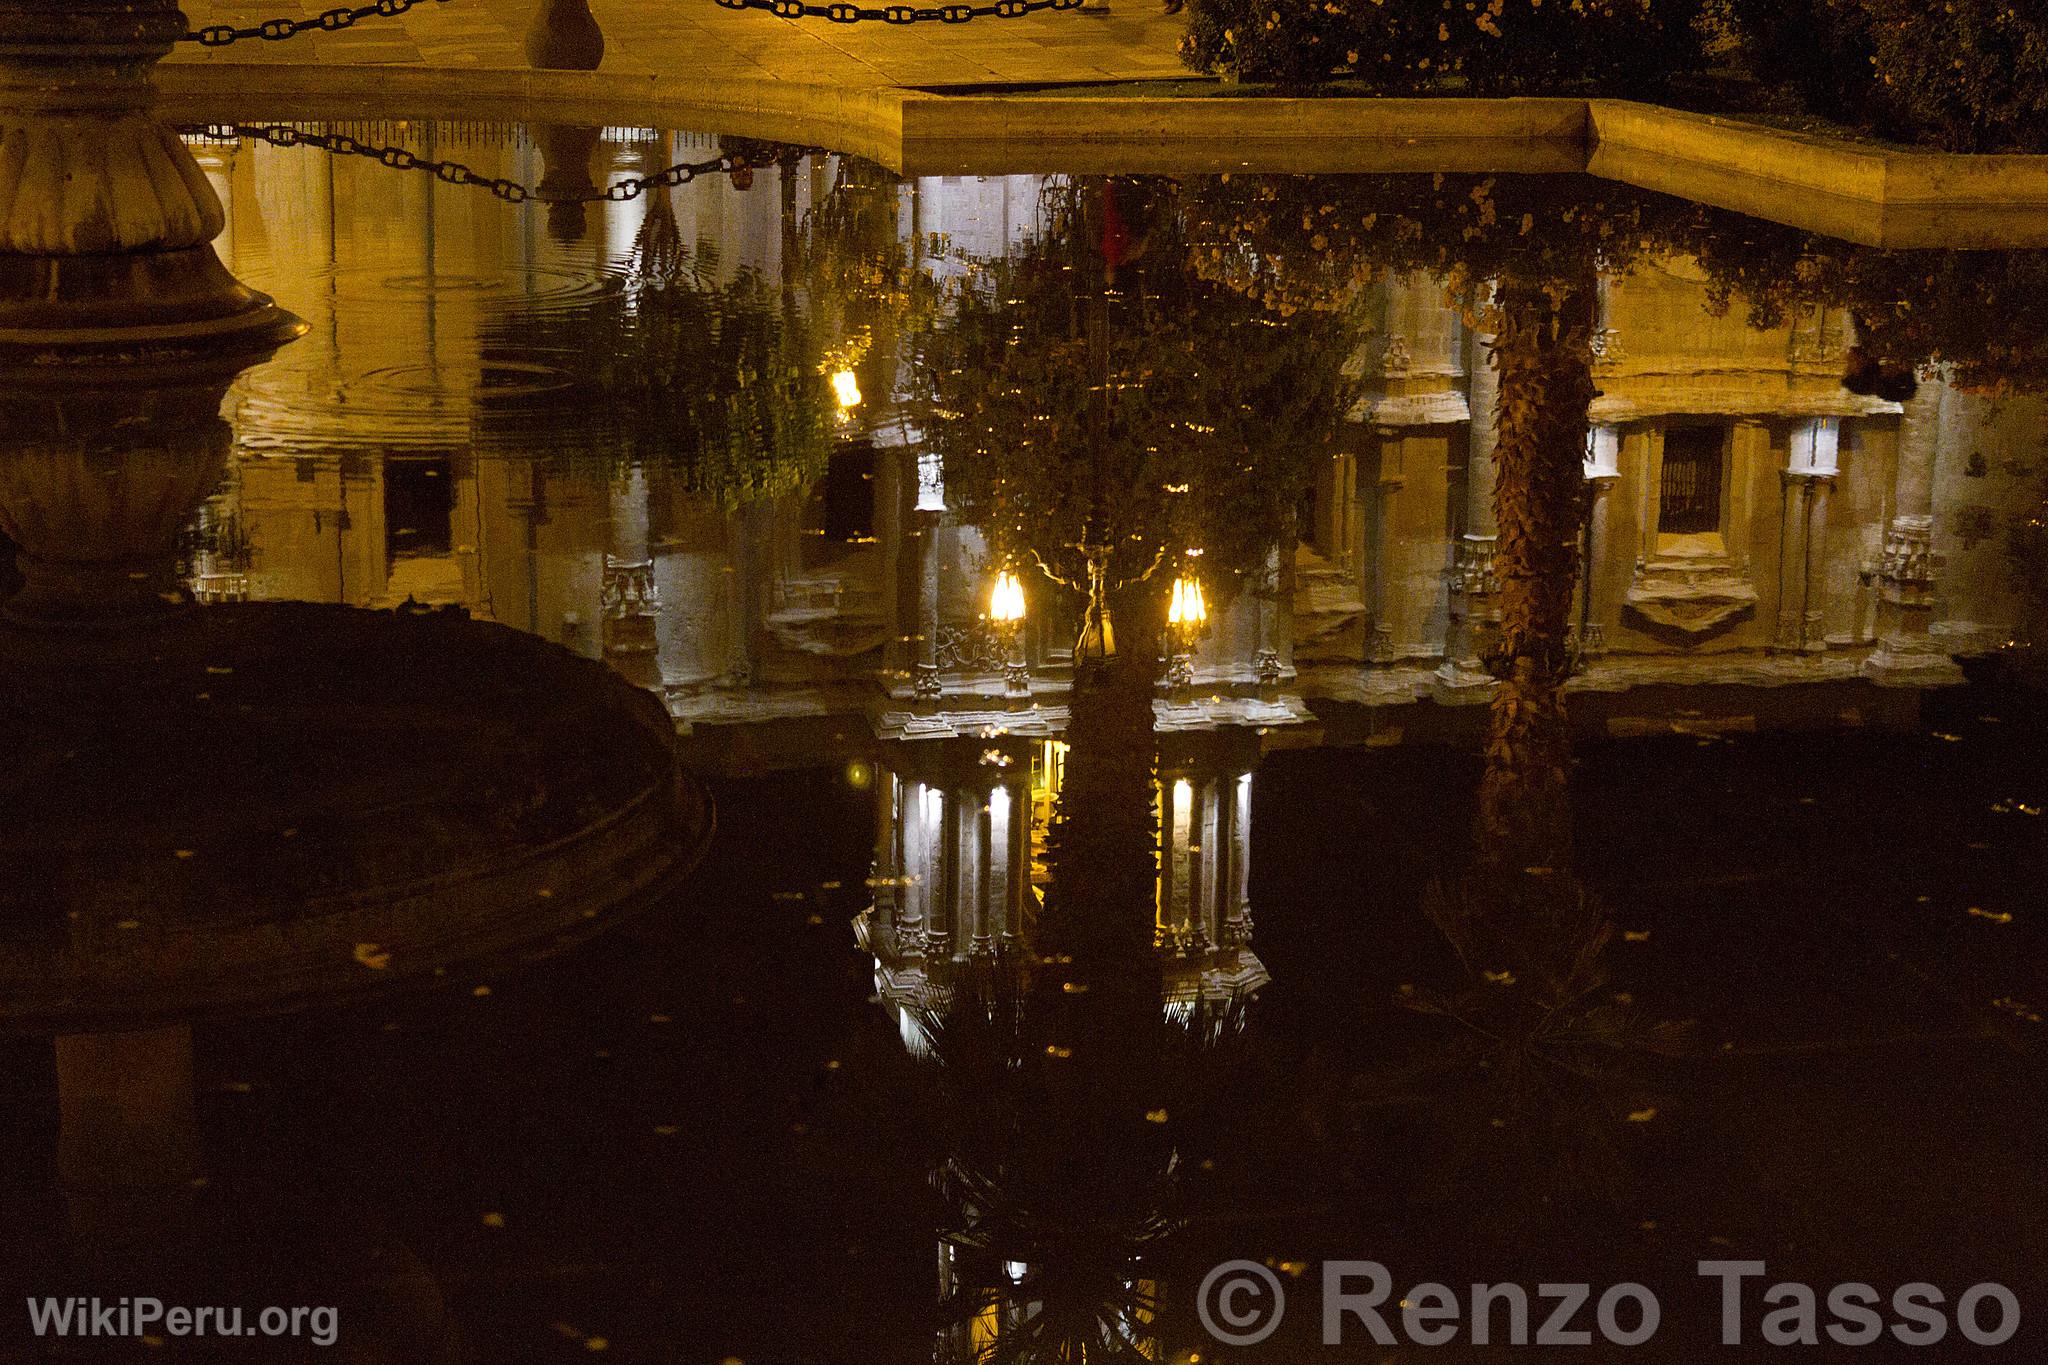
point(1097, 926)
point(1542, 350)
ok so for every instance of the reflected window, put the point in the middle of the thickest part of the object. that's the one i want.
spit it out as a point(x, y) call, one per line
point(418, 499)
point(1689, 490)
point(849, 493)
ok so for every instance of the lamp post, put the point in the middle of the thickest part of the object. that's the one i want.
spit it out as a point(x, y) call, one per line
point(1006, 614)
point(1186, 614)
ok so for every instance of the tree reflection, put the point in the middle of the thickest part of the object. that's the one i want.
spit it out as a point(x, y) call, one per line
point(1079, 1105)
point(1099, 408)
point(1536, 1072)
point(689, 363)
point(1092, 389)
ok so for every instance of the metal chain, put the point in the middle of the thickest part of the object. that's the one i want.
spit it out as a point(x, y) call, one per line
point(844, 13)
point(276, 30)
point(344, 16)
point(455, 173)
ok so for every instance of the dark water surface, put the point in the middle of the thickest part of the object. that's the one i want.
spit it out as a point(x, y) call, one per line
point(1019, 986)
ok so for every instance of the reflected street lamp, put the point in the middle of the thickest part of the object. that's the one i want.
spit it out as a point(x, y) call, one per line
point(1186, 615)
point(1006, 614)
point(846, 390)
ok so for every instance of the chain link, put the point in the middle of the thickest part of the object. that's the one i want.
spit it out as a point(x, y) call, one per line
point(277, 30)
point(841, 12)
point(511, 191)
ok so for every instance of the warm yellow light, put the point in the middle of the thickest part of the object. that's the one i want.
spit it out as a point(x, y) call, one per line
point(1006, 599)
point(1187, 607)
point(846, 389)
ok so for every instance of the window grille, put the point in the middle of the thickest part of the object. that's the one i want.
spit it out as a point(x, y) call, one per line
point(1689, 493)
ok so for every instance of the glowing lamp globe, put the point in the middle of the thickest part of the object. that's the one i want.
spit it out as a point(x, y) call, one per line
point(1006, 599)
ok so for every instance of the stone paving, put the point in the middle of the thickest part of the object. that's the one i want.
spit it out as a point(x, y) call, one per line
point(1133, 41)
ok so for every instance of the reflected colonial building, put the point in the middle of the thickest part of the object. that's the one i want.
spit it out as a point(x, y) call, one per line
point(1752, 521)
point(960, 860)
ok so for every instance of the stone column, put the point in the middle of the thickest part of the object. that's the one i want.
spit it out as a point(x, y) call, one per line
point(983, 886)
point(888, 862)
point(1009, 858)
point(1273, 650)
point(928, 516)
point(1794, 558)
point(1236, 928)
point(1380, 559)
point(627, 593)
point(913, 892)
point(919, 813)
point(1906, 653)
point(692, 565)
point(753, 531)
point(924, 671)
point(1471, 580)
point(1813, 625)
point(1809, 476)
point(1603, 472)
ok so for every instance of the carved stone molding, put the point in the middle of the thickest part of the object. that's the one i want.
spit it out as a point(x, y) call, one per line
point(95, 185)
point(1397, 359)
point(976, 647)
point(1696, 599)
point(631, 605)
point(1472, 573)
point(1818, 339)
point(85, 169)
point(1907, 566)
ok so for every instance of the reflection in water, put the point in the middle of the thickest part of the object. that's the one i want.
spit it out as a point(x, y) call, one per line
point(1077, 1058)
point(1752, 519)
point(1060, 506)
point(372, 834)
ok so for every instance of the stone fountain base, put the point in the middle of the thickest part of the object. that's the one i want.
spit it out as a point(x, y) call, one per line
point(266, 806)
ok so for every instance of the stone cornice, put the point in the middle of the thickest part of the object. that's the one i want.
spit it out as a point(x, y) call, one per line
point(1860, 191)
